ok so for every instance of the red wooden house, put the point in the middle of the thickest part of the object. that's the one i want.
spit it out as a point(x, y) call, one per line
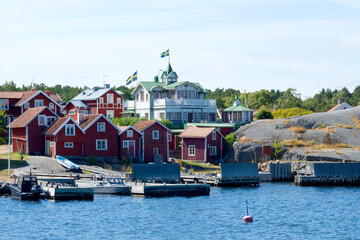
point(201, 144)
point(64, 137)
point(101, 136)
point(28, 128)
point(76, 108)
point(155, 141)
point(100, 101)
point(16, 103)
point(130, 141)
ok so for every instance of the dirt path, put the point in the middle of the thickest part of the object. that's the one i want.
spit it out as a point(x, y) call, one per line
point(4, 148)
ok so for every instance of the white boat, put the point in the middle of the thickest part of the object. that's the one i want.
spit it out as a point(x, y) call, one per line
point(108, 186)
point(66, 163)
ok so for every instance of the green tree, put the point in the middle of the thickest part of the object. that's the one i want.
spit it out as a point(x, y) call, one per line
point(230, 139)
point(264, 114)
point(278, 149)
point(3, 121)
point(289, 99)
point(290, 112)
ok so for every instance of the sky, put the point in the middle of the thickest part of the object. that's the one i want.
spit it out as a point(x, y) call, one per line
point(242, 44)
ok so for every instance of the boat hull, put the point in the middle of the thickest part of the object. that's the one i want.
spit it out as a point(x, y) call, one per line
point(69, 193)
point(17, 194)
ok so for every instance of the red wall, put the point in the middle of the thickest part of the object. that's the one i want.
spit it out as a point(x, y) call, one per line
point(15, 111)
point(226, 131)
point(70, 107)
point(19, 144)
point(199, 148)
point(216, 143)
point(78, 140)
point(123, 137)
point(172, 143)
point(150, 143)
point(47, 101)
point(111, 134)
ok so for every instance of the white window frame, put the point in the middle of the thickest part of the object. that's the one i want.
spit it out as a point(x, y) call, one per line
point(72, 112)
point(213, 135)
point(5, 103)
point(91, 112)
point(156, 151)
point(51, 106)
point(39, 102)
point(212, 150)
point(118, 100)
point(68, 126)
point(130, 133)
point(68, 145)
point(101, 127)
point(153, 134)
point(26, 105)
point(112, 113)
point(169, 137)
point(101, 148)
point(44, 120)
point(101, 100)
point(125, 144)
point(191, 150)
point(48, 123)
point(110, 98)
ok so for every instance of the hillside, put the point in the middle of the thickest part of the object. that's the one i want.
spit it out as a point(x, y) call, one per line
point(317, 136)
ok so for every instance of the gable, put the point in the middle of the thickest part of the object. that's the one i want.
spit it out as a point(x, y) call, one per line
point(96, 118)
point(30, 115)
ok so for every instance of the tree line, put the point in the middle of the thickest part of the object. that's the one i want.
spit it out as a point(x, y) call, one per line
point(268, 99)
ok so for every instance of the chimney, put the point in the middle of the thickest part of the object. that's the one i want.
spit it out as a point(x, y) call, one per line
point(32, 90)
point(341, 100)
point(95, 89)
point(47, 93)
point(107, 86)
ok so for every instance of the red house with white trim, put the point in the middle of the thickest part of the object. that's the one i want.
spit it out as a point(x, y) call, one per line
point(201, 144)
point(64, 137)
point(101, 136)
point(16, 103)
point(28, 128)
point(130, 141)
point(155, 141)
point(98, 101)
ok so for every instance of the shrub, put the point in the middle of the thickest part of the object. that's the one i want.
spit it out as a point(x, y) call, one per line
point(290, 112)
point(92, 160)
point(127, 121)
point(278, 149)
point(230, 139)
point(264, 114)
point(4, 141)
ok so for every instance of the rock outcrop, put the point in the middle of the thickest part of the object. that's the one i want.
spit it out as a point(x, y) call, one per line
point(332, 136)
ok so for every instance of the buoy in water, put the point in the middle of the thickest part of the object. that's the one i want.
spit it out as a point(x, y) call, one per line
point(247, 218)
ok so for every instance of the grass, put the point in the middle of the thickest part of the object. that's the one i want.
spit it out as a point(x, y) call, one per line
point(330, 146)
point(297, 129)
point(356, 121)
point(245, 139)
point(15, 162)
point(199, 164)
point(339, 152)
point(344, 126)
point(296, 143)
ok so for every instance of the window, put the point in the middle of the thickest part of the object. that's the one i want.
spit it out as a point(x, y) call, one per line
point(110, 98)
point(147, 97)
point(155, 134)
point(101, 144)
point(142, 96)
point(156, 151)
point(26, 105)
point(72, 112)
point(212, 150)
point(4, 104)
point(191, 150)
point(169, 137)
point(110, 113)
point(214, 135)
point(101, 127)
point(125, 144)
point(91, 112)
point(52, 144)
point(41, 120)
point(51, 106)
point(70, 130)
point(69, 145)
point(162, 116)
point(101, 100)
point(39, 102)
point(118, 100)
point(147, 116)
point(130, 133)
point(50, 120)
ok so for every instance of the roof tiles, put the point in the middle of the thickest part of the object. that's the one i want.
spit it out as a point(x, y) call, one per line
point(26, 117)
point(196, 132)
point(143, 124)
point(55, 126)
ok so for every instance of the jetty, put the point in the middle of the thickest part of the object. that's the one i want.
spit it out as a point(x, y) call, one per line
point(330, 174)
point(163, 180)
point(281, 172)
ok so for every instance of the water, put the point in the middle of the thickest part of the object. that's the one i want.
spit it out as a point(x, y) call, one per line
point(280, 211)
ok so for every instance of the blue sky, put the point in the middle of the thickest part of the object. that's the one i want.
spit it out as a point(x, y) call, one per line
point(244, 44)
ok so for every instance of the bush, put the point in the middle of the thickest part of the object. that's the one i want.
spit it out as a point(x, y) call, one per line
point(166, 123)
point(264, 114)
point(290, 112)
point(4, 141)
point(230, 139)
point(127, 121)
point(92, 160)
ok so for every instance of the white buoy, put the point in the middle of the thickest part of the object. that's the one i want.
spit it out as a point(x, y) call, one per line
point(247, 218)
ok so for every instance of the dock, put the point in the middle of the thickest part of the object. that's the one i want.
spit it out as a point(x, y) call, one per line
point(160, 190)
point(330, 174)
point(281, 172)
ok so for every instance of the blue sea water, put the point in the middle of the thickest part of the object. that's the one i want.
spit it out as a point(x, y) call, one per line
point(280, 211)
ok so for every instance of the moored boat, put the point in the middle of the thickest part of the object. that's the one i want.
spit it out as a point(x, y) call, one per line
point(107, 186)
point(66, 163)
point(26, 188)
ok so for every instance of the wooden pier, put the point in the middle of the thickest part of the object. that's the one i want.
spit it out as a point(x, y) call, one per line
point(331, 174)
point(281, 172)
point(161, 190)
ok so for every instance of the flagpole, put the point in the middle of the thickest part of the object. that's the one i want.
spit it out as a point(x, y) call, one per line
point(9, 146)
point(245, 98)
point(169, 55)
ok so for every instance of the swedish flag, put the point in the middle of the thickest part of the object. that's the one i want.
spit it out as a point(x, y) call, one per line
point(131, 79)
point(166, 53)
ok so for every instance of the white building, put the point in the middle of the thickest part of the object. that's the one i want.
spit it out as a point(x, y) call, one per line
point(179, 102)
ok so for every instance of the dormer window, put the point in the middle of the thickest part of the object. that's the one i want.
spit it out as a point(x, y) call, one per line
point(213, 135)
point(51, 106)
point(26, 105)
point(4, 104)
point(101, 127)
point(39, 102)
point(41, 120)
point(70, 130)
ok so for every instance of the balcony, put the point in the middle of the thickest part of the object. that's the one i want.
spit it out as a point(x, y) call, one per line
point(185, 102)
point(129, 104)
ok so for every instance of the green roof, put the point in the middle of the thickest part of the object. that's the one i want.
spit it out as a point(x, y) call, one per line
point(214, 125)
point(237, 109)
point(149, 86)
point(128, 112)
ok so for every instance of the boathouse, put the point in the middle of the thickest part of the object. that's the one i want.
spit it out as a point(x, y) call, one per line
point(27, 130)
point(155, 141)
point(130, 140)
point(101, 136)
point(64, 137)
point(201, 144)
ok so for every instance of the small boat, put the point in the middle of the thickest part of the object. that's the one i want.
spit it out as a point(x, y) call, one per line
point(26, 188)
point(107, 186)
point(65, 189)
point(66, 163)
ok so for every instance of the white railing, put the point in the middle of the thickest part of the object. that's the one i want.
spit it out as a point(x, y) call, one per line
point(185, 102)
point(129, 104)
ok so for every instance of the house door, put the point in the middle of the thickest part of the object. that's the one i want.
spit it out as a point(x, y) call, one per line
point(132, 148)
point(190, 117)
point(47, 148)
